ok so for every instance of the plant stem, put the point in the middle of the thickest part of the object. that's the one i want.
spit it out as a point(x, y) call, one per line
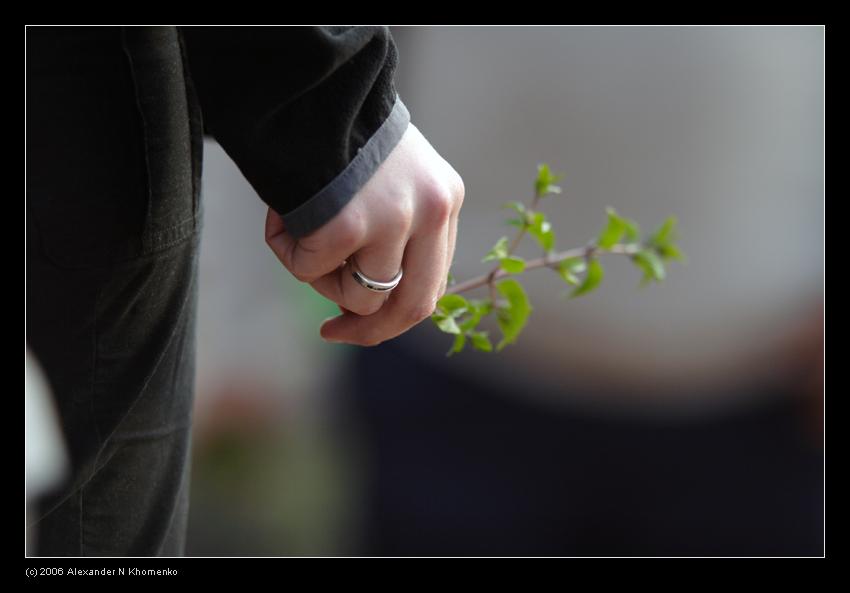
point(490, 279)
point(548, 261)
point(521, 233)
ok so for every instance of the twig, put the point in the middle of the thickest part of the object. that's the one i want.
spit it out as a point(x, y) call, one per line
point(490, 279)
point(548, 261)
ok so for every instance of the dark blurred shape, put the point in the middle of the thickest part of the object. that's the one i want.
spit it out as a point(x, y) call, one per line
point(463, 469)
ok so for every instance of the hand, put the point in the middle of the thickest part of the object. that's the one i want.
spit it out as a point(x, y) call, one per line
point(405, 216)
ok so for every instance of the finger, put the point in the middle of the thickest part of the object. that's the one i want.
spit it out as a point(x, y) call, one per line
point(450, 250)
point(280, 242)
point(319, 253)
point(459, 192)
point(412, 301)
point(381, 261)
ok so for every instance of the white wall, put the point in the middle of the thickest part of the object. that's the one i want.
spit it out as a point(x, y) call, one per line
point(721, 126)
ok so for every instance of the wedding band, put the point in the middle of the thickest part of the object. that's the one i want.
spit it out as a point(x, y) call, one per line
point(374, 285)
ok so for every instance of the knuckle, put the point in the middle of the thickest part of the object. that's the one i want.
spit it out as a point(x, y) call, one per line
point(400, 215)
point(418, 313)
point(458, 189)
point(348, 232)
point(438, 205)
point(303, 275)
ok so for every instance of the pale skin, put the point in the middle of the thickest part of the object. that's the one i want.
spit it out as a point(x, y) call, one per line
point(405, 216)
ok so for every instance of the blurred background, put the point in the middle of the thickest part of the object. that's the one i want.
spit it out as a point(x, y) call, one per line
point(676, 419)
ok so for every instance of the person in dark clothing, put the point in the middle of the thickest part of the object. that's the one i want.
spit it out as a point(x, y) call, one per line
point(360, 206)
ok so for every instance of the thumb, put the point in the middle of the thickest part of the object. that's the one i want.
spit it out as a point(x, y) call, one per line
point(278, 240)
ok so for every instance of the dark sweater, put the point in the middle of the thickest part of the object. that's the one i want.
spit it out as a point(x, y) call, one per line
point(116, 116)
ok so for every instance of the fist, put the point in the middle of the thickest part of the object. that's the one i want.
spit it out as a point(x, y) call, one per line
point(405, 217)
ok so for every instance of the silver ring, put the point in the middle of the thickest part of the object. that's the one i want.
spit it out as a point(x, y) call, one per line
point(374, 285)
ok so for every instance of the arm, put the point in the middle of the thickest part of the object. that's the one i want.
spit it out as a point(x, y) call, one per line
point(312, 119)
point(307, 113)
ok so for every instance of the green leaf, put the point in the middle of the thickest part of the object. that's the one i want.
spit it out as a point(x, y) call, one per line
point(671, 251)
point(593, 278)
point(512, 264)
point(545, 182)
point(499, 251)
point(665, 234)
point(576, 265)
point(452, 305)
point(541, 229)
point(517, 207)
point(652, 266)
point(482, 307)
point(513, 316)
point(449, 308)
point(457, 345)
point(630, 227)
point(513, 291)
point(477, 310)
point(446, 323)
point(613, 231)
point(480, 341)
point(570, 267)
point(515, 222)
point(632, 230)
point(664, 238)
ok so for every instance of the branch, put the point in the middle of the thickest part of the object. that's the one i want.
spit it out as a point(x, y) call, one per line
point(461, 317)
point(548, 261)
point(494, 274)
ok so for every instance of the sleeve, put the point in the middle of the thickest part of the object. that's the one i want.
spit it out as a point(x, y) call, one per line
point(308, 114)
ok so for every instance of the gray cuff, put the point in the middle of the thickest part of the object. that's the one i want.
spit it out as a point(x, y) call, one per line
point(323, 206)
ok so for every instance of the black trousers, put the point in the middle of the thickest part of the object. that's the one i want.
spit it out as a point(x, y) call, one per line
point(113, 230)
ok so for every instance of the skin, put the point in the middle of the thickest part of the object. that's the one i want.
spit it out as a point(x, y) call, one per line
point(405, 216)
